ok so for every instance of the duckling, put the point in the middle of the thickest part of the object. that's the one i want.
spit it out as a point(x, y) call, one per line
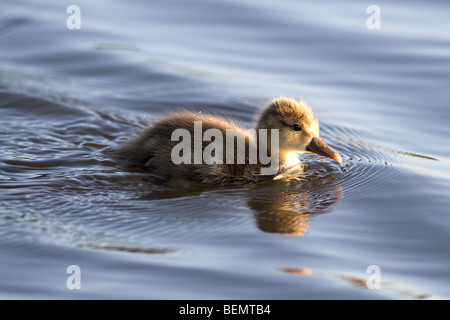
point(289, 125)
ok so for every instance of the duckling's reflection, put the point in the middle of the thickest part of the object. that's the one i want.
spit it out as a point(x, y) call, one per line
point(280, 206)
point(287, 207)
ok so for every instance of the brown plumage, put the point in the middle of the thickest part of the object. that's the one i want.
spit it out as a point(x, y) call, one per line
point(298, 132)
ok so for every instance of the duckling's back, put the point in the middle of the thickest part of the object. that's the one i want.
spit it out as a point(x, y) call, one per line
point(153, 149)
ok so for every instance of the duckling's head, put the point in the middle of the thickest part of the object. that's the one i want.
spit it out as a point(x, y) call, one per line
point(297, 127)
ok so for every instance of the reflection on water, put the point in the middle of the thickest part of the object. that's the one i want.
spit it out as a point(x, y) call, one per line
point(297, 270)
point(392, 288)
point(280, 206)
point(285, 207)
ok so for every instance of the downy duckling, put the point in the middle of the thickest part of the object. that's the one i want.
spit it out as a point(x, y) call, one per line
point(198, 146)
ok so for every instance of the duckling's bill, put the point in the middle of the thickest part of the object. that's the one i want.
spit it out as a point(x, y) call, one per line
point(318, 146)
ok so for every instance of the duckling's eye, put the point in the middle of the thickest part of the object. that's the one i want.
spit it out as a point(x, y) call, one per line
point(296, 127)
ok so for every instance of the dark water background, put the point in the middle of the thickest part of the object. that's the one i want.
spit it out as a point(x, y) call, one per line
point(382, 99)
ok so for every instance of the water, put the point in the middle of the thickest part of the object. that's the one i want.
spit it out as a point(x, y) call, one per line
point(381, 97)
